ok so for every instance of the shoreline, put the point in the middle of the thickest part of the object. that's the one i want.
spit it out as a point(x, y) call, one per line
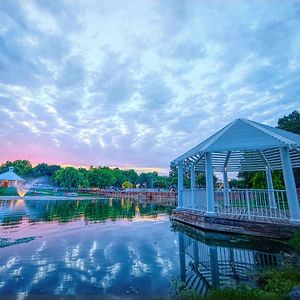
point(92, 197)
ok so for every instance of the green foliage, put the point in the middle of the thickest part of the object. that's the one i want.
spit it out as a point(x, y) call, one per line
point(258, 180)
point(294, 242)
point(280, 282)
point(101, 177)
point(132, 176)
point(201, 179)
point(22, 167)
point(161, 182)
point(290, 122)
point(237, 183)
point(278, 181)
point(69, 178)
point(147, 179)
point(245, 294)
point(84, 181)
point(182, 293)
point(8, 191)
point(127, 185)
point(44, 170)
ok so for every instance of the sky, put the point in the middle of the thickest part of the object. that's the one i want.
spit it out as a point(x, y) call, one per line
point(134, 84)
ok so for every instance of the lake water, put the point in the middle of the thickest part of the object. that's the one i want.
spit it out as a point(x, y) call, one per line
point(118, 247)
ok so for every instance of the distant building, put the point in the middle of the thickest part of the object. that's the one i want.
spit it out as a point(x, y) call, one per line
point(10, 178)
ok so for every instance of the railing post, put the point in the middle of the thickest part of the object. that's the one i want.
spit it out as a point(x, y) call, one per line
point(248, 205)
point(180, 184)
point(193, 185)
point(209, 184)
point(290, 185)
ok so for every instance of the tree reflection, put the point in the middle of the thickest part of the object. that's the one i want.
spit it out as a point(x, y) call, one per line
point(11, 212)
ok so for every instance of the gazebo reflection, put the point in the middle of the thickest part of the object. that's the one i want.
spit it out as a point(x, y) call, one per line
point(205, 265)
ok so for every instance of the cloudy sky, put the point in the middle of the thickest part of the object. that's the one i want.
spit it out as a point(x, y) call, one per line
point(136, 83)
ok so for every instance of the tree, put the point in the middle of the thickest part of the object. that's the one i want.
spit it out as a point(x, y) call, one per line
point(101, 177)
point(148, 179)
point(44, 170)
point(258, 180)
point(237, 183)
point(161, 182)
point(69, 178)
point(201, 179)
point(131, 175)
point(127, 185)
point(84, 181)
point(290, 122)
point(22, 167)
point(119, 177)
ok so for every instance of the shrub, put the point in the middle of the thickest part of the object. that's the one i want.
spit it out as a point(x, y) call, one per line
point(294, 242)
point(280, 282)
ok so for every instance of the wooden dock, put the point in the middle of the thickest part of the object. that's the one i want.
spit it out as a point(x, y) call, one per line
point(235, 223)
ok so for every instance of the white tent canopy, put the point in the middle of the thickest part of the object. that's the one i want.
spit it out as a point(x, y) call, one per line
point(244, 145)
point(10, 175)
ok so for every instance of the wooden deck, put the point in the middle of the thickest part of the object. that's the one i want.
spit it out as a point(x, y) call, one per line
point(255, 214)
point(237, 223)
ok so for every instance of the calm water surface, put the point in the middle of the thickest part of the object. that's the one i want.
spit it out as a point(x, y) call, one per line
point(117, 247)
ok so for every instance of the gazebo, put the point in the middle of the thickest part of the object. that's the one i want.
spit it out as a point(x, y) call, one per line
point(242, 145)
point(10, 178)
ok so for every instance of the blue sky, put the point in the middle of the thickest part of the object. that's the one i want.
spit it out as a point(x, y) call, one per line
point(137, 83)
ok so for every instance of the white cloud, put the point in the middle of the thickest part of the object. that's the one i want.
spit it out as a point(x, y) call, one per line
point(136, 84)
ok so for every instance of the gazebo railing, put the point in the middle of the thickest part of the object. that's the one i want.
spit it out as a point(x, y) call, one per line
point(199, 197)
point(250, 203)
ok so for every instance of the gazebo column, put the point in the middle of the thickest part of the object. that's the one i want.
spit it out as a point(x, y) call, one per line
point(272, 201)
point(182, 261)
point(209, 184)
point(226, 188)
point(180, 184)
point(193, 181)
point(290, 185)
point(214, 266)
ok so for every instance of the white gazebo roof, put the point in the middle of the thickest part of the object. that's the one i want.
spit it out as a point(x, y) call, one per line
point(244, 145)
point(10, 175)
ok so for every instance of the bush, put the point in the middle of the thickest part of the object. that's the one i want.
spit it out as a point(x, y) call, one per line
point(8, 191)
point(280, 282)
point(294, 242)
point(244, 294)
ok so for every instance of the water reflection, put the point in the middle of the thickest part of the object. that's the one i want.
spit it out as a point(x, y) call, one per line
point(210, 260)
point(94, 247)
point(12, 212)
point(117, 247)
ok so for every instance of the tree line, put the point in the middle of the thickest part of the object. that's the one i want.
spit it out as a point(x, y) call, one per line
point(98, 177)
